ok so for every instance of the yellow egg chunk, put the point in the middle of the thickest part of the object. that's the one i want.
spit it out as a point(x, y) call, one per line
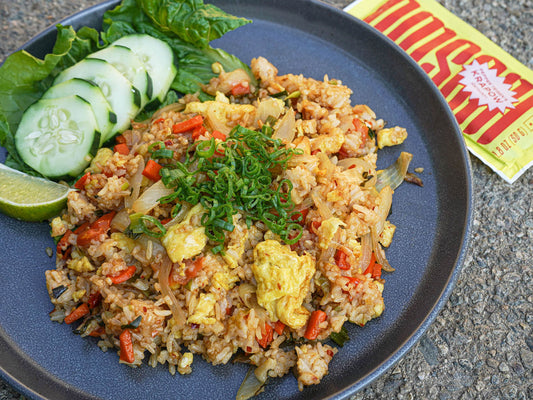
point(186, 240)
point(283, 280)
point(327, 231)
point(204, 312)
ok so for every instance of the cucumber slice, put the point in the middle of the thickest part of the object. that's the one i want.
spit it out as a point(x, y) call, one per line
point(58, 137)
point(157, 57)
point(130, 66)
point(105, 117)
point(119, 92)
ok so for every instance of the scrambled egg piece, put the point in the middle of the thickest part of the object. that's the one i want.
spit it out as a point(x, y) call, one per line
point(204, 312)
point(391, 136)
point(184, 240)
point(388, 232)
point(327, 231)
point(99, 160)
point(224, 280)
point(80, 264)
point(283, 280)
point(218, 114)
point(123, 242)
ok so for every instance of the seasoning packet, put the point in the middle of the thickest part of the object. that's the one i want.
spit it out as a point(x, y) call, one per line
point(489, 91)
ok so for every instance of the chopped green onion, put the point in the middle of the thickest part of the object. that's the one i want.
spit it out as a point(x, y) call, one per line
point(340, 337)
point(58, 291)
point(133, 324)
point(162, 153)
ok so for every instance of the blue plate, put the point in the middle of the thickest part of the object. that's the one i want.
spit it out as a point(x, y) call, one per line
point(45, 360)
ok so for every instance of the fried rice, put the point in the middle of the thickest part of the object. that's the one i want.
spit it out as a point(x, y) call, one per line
point(257, 299)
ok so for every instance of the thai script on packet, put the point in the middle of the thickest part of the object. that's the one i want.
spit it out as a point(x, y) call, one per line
point(489, 91)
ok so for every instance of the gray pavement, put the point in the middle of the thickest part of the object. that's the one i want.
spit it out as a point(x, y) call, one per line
point(481, 344)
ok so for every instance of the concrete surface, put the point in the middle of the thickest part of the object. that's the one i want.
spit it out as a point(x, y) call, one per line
point(481, 344)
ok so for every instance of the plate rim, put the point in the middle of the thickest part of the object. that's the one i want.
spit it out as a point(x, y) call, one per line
point(412, 339)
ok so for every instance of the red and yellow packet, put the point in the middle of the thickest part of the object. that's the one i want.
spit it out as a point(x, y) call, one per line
point(489, 92)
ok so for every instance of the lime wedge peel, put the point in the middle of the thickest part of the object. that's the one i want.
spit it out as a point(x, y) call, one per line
point(29, 198)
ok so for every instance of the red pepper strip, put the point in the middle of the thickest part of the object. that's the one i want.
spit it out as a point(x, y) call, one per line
point(190, 272)
point(218, 135)
point(315, 152)
point(123, 276)
point(240, 89)
point(352, 280)
point(151, 171)
point(373, 267)
point(158, 120)
point(94, 300)
point(166, 220)
point(63, 243)
point(198, 131)
point(122, 148)
point(120, 139)
point(341, 260)
point(279, 327)
point(80, 184)
point(315, 225)
point(313, 326)
point(97, 228)
point(266, 336)
point(304, 213)
point(362, 129)
point(188, 125)
point(126, 346)
point(97, 332)
point(343, 153)
point(79, 312)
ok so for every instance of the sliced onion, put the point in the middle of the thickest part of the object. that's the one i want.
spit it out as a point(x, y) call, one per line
point(185, 207)
point(383, 210)
point(321, 206)
point(269, 107)
point(164, 272)
point(135, 183)
point(150, 197)
point(285, 129)
point(394, 175)
point(366, 252)
point(379, 253)
point(346, 163)
point(174, 107)
point(121, 221)
point(250, 386)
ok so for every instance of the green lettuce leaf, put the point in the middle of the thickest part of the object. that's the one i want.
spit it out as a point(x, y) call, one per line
point(191, 20)
point(24, 78)
point(194, 61)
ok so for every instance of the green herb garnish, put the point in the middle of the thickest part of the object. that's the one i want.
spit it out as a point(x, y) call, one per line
point(340, 337)
point(237, 176)
point(133, 324)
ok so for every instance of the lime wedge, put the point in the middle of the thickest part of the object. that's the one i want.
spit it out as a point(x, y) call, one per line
point(29, 198)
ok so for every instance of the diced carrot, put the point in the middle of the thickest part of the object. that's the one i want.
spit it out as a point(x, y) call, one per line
point(343, 153)
point(191, 271)
point(218, 135)
point(94, 300)
point(123, 276)
point(304, 213)
point(370, 267)
point(166, 220)
point(97, 228)
point(239, 89)
point(279, 327)
point(313, 326)
point(315, 225)
point(188, 125)
point(80, 184)
point(341, 260)
point(151, 171)
point(266, 336)
point(352, 280)
point(122, 148)
point(78, 313)
point(126, 346)
point(97, 332)
point(198, 131)
point(315, 152)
